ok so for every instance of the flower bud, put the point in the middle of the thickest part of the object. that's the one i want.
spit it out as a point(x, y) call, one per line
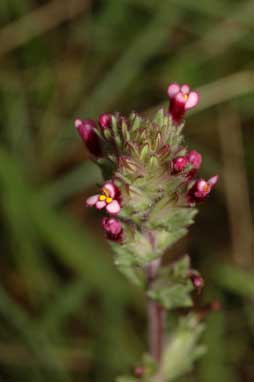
point(113, 229)
point(178, 165)
point(195, 159)
point(197, 280)
point(105, 120)
point(86, 130)
point(139, 371)
point(215, 305)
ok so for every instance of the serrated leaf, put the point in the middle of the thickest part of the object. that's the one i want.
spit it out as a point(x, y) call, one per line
point(128, 265)
point(170, 217)
point(172, 296)
point(181, 267)
point(172, 287)
point(165, 239)
point(183, 349)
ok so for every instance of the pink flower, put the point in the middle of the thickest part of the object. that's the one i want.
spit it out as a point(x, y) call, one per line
point(113, 229)
point(109, 198)
point(86, 130)
point(105, 120)
point(181, 99)
point(178, 164)
point(201, 189)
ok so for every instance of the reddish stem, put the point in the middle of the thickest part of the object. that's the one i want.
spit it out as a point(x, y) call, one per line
point(156, 317)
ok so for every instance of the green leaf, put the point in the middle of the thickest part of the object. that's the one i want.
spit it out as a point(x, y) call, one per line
point(172, 296)
point(172, 287)
point(182, 349)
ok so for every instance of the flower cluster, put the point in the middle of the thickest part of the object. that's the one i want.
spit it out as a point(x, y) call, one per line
point(150, 191)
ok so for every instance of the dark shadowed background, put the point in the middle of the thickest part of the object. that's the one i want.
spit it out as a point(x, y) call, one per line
point(66, 314)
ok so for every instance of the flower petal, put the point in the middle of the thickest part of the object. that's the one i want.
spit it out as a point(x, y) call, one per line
point(192, 100)
point(78, 123)
point(110, 187)
point(212, 181)
point(173, 89)
point(180, 98)
point(100, 204)
point(113, 207)
point(202, 185)
point(185, 89)
point(92, 200)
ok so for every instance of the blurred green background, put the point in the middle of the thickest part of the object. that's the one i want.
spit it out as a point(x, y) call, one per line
point(66, 314)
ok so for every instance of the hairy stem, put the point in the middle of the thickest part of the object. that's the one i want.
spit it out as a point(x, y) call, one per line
point(156, 316)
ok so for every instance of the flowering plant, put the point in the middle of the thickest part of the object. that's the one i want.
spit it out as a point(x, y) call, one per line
point(150, 196)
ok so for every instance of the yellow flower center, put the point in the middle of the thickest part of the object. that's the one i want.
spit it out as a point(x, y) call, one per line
point(105, 196)
point(185, 96)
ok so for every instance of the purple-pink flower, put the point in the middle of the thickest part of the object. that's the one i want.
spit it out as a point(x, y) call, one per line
point(86, 130)
point(113, 229)
point(109, 198)
point(201, 189)
point(181, 99)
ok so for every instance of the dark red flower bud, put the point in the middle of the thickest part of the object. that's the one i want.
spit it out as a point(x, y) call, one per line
point(195, 159)
point(215, 305)
point(179, 164)
point(86, 130)
point(197, 280)
point(139, 371)
point(113, 229)
point(105, 120)
point(201, 189)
